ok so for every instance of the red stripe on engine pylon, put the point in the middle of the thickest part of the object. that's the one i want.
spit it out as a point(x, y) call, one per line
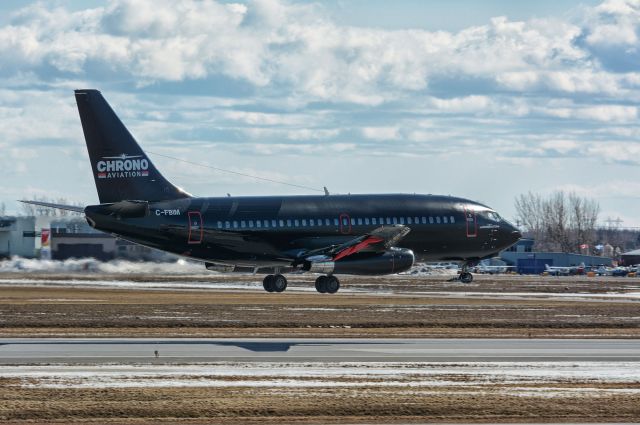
point(357, 247)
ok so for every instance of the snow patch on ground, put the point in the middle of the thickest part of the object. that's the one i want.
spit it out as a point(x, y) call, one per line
point(91, 265)
point(537, 378)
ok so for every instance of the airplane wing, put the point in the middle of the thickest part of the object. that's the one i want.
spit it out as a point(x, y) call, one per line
point(377, 240)
point(74, 208)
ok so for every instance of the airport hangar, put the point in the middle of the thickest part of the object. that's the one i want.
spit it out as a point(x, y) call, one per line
point(527, 261)
point(69, 238)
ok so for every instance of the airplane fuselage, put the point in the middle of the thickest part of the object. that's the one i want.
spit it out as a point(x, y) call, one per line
point(273, 231)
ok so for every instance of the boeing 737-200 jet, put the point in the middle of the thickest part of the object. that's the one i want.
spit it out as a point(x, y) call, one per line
point(327, 235)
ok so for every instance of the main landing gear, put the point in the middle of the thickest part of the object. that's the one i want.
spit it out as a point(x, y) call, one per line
point(274, 283)
point(327, 284)
point(278, 283)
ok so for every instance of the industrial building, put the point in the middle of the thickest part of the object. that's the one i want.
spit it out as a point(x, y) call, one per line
point(17, 236)
point(630, 258)
point(527, 261)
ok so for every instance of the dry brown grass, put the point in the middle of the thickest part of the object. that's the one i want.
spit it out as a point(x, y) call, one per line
point(44, 310)
point(321, 405)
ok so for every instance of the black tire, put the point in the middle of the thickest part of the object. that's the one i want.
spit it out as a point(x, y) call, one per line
point(321, 284)
point(466, 277)
point(279, 283)
point(332, 284)
point(268, 283)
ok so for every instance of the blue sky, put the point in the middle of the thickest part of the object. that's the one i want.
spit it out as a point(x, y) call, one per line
point(484, 100)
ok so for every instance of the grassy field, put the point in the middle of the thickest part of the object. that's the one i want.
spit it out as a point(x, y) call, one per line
point(394, 307)
point(92, 305)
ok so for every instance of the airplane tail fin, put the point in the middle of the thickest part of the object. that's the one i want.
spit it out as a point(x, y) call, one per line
point(121, 169)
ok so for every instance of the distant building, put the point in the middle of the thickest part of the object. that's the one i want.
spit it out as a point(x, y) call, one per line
point(17, 236)
point(527, 261)
point(630, 258)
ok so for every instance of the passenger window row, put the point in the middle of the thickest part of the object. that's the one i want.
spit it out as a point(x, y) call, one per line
point(326, 222)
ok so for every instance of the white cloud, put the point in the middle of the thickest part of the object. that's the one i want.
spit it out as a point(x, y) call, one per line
point(381, 133)
point(276, 78)
point(603, 113)
point(273, 43)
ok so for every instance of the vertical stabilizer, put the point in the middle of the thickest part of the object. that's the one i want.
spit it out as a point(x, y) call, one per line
point(121, 169)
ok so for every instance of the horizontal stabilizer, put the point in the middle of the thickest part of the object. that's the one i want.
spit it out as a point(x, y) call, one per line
point(73, 208)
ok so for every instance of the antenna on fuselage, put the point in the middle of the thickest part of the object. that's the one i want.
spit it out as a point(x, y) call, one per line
point(326, 191)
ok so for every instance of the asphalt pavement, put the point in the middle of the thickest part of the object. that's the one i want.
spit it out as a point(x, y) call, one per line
point(139, 350)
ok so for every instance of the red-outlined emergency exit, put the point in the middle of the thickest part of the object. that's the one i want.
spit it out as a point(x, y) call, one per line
point(196, 228)
point(472, 223)
point(345, 224)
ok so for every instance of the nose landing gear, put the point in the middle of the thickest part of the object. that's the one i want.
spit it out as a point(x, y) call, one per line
point(465, 276)
point(327, 284)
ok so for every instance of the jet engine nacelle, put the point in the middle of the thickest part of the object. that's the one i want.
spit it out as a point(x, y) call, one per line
point(393, 260)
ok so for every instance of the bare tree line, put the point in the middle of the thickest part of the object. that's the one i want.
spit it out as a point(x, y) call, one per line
point(40, 211)
point(559, 222)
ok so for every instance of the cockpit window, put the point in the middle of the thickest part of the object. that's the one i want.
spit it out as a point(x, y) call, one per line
point(491, 215)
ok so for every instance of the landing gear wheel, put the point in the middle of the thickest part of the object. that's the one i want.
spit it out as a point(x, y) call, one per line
point(332, 284)
point(321, 284)
point(279, 283)
point(466, 277)
point(268, 283)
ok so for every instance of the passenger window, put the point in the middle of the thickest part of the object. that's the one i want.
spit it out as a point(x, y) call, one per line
point(235, 224)
point(327, 222)
point(296, 223)
point(274, 223)
point(374, 221)
point(445, 219)
point(304, 222)
point(401, 220)
point(266, 223)
point(281, 222)
point(424, 220)
point(243, 223)
point(219, 225)
point(415, 219)
point(366, 220)
point(388, 220)
point(250, 223)
point(288, 223)
point(438, 219)
point(227, 224)
point(312, 222)
point(409, 221)
point(430, 220)
point(451, 219)
point(335, 222)
point(258, 223)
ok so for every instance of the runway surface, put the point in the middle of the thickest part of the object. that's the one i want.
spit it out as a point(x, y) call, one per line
point(125, 351)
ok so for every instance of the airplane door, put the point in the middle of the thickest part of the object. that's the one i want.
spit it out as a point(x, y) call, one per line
point(472, 224)
point(195, 227)
point(345, 224)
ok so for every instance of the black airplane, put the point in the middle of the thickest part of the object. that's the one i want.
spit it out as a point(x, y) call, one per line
point(329, 235)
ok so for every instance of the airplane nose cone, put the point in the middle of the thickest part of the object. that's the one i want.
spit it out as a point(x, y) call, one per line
point(510, 233)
